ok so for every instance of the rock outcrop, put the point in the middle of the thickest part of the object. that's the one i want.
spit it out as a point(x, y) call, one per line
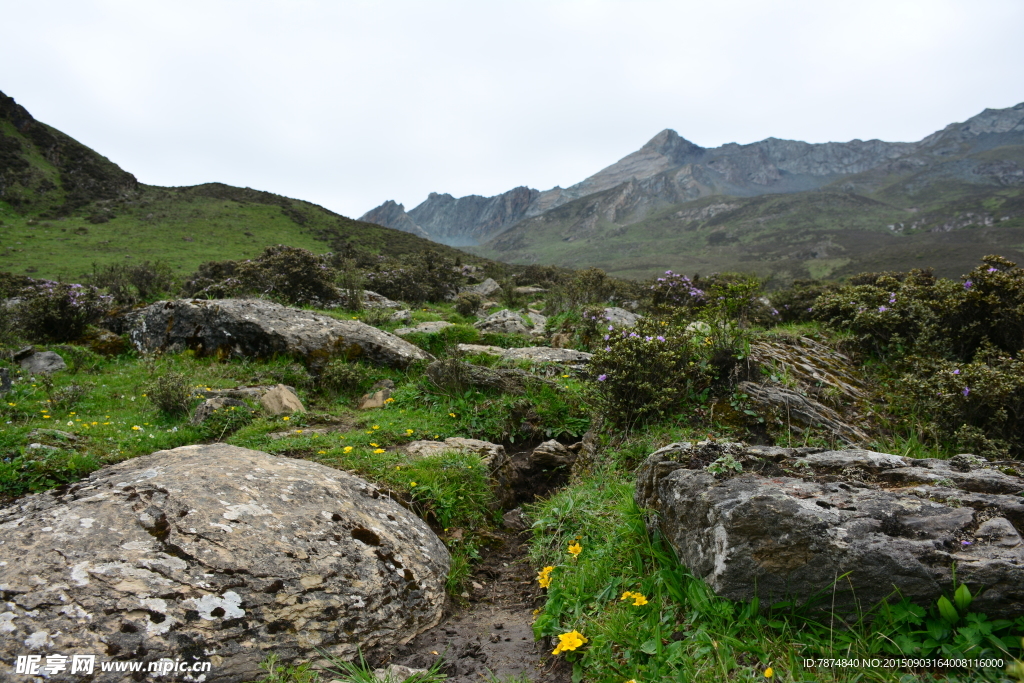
point(261, 329)
point(42, 363)
point(504, 322)
point(215, 553)
point(534, 354)
point(852, 527)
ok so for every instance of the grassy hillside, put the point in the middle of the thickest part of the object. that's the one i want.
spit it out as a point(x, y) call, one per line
point(64, 207)
point(185, 227)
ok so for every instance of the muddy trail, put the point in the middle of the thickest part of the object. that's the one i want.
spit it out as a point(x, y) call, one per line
point(486, 632)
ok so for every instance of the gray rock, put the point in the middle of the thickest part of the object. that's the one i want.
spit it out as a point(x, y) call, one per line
point(792, 522)
point(42, 362)
point(515, 520)
point(216, 552)
point(425, 328)
point(375, 300)
point(943, 473)
point(546, 354)
point(485, 289)
point(539, 321)
point(505, 322)
point(552, 455)
point(261, 329)
point(530, 289)
point(401, 316)
point(804, 411)
point(452, 373)
point(620, 317)
point(474, 349)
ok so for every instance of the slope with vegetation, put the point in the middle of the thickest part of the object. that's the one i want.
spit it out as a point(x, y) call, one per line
point(938, 357)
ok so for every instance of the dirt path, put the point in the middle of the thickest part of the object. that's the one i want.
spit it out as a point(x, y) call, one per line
point(489, 633)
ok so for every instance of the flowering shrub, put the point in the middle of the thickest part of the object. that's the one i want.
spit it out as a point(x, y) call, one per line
point(979, 406)
point(59, 312)
point(646, 370)
point(673, 290)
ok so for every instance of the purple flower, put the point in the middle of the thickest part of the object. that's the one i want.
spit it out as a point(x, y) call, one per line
point(606, 337)
point(992, 270)
point(965, 543)
point(968, 284)
point(611, 328)
point(966, 391)
point(607, 348)
point(601, 378)
point(660, 338)
point(957, 371)
point(882, 309)
point(648, 338)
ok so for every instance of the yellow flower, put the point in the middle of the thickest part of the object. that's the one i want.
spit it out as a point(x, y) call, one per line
point(95, 423)
point(46, 417)
point(565, 376)
point(628, 595)
point(389, 400)
point(409, 431)
point(378, 450)
point(321, 452)
point(412, 483)
point(451, 414)
point(285, 418)
point(639, 600)
point(769, 672)
point(575, 549)
point(632, 680)
point(347, 449)
point(77, 413)
point(376, 426)
point(544, 577)
point(569, 641)
point(136, 428)
point(298, 431)
point(375, 445)
point(13, 405)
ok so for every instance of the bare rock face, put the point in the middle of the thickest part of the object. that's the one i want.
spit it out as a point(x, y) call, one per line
point(785, 523)
point(793, 407)
point(261, 329)
point(215, 553)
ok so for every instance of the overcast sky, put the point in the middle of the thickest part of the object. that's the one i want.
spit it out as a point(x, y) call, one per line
point(349, 103)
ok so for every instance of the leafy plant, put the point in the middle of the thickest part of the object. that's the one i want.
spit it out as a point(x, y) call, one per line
point(59, 312)
point(172, 393)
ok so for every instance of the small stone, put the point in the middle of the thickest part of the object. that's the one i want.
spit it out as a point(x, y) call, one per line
point(42, 362)
point(281, 401)
point(377, 396)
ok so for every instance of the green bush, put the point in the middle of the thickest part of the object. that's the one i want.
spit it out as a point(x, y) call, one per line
point(440, 343)
point(468, 304)
point(647, 371)
point(342, 378)
point(796, 302)
point(590, 286)
point(59, 312)
point(418, 278)
point(979, 406)
point(172, 393)
point(130, 284)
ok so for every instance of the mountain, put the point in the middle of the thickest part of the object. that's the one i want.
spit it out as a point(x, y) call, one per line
point(674, 204)
point(65, 207)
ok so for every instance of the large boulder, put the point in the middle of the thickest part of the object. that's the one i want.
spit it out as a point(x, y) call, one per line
point(485, 289)
point(424, 328)
point(533, 354)
point(258, 328)
point(215, 553)
point(852, 527)
point(42, 363)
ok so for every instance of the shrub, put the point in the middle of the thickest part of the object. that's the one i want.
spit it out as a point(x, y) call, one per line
point(79, 358)
point(350, 283)
point(468, 304)
point(422, 277)
point(172, 393)
point(673, 290)
point(978, 405)
point(294, 276)
point(342, 378)
point(62, 398)
point(796, 302)
point(645, 371)
point(59, 312)
point(130, 284)
point(590, 286)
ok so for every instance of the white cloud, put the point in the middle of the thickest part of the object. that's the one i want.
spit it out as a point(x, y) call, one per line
point(349, 104)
